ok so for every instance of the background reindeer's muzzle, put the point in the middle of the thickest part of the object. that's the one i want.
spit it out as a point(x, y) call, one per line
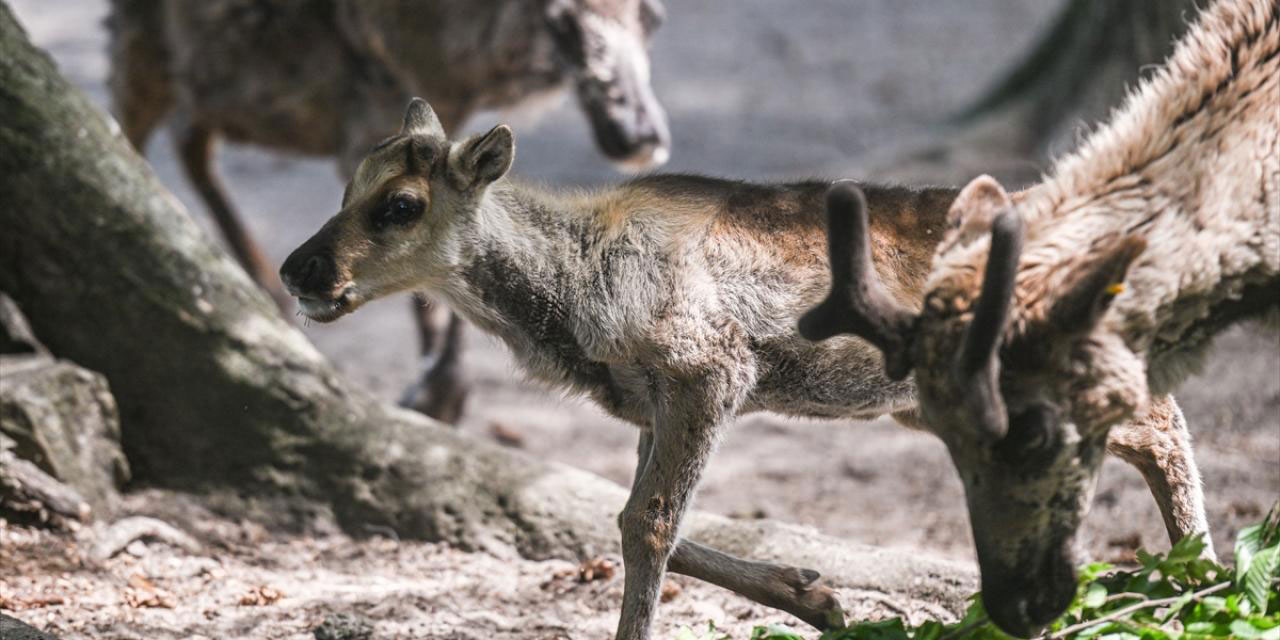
point(635, 134)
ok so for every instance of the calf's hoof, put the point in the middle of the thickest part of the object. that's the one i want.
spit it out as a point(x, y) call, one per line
point(807, 598)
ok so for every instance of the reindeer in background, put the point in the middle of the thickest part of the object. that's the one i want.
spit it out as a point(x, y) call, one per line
point(669, 300)
point(325, 78)
point(1055, 313)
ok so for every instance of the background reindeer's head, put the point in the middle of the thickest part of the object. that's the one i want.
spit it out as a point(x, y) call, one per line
point(401, 216)
point(1022, 400)
point(604, 44)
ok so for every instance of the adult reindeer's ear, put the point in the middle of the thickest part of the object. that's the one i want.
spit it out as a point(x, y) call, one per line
point(858, 303)
point(483, 158)
point(977, 205)
point(1089, 290)
point(420, 120)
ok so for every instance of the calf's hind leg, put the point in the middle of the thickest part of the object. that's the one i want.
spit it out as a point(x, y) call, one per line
point(794, 590)
point(1158, 444)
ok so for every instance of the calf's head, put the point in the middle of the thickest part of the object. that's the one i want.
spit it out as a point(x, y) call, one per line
point(604, 47)
point(1022, 394)
point(402, 215)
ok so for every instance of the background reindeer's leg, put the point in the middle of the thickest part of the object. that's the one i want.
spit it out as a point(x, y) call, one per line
point(141, 87)
point(195, 147)
point(441, 392)
point(1158, 444)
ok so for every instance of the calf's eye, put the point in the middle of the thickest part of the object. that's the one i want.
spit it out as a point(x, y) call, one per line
point(399, 210)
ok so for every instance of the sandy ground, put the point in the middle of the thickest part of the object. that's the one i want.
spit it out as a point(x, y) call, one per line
point(761, 90)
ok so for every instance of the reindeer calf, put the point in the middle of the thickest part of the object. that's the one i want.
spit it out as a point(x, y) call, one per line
point(1181, 192)
point(670, 300)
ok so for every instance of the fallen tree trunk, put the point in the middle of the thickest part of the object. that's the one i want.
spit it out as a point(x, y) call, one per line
point(214, 390)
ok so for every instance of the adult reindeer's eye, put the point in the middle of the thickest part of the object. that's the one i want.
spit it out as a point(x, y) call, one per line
point(399, 210)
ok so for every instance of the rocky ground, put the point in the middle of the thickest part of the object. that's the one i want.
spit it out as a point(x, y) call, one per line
point(755, 89)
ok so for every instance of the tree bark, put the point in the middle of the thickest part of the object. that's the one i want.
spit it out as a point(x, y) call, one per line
point(216, 391)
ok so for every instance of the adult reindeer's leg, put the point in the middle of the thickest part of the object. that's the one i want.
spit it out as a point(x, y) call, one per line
point(441, 391)
point(195, 147)
point(791, 589)
point(1158, 444)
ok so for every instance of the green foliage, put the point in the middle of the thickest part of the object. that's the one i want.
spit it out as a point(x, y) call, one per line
point(1173, 596)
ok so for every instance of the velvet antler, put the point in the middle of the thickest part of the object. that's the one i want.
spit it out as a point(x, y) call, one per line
point(858, 303)
point(976, 369)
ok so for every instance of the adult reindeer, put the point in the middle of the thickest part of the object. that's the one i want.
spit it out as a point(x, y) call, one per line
point(1097, 292)
point(325, 78)
point(669, 300)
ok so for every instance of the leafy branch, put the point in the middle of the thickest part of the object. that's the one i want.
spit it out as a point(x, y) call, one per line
point(1175, 596)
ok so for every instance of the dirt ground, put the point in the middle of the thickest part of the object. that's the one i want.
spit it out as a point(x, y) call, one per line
point(756, 89)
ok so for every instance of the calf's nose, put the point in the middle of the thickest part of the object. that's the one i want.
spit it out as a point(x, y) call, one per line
point(308, 274)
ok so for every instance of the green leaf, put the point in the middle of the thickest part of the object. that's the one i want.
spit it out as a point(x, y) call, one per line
point(1187, 549)
point(1213, 604)
point(1095, 596)
point(931, 630)
point(1248, 543)
point(1257, 578)
point(1242, 629)
point(775, 632)
point(1208, 628)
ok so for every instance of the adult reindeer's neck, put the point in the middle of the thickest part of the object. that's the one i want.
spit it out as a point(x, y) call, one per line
point(1208, 104)
point(1191, 163)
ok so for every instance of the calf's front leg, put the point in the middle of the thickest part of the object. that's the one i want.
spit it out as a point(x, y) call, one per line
point(691, 405)
point(792, 589)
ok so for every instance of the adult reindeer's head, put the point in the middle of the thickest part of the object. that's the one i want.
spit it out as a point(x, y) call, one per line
point(402, 216)
point(1022, 394)
point(604, 44)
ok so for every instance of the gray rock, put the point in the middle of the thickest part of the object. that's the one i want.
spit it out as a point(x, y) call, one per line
point(28, 494)
point(64, 420)
point(344, 626)
point(15, 333)
point(15, 629)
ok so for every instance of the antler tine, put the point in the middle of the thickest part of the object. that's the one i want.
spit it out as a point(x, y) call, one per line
point(858, 303)
point(976, 364)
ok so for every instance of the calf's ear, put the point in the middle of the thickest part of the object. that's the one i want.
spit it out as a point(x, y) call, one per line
point(482, 159)
point(421, 120)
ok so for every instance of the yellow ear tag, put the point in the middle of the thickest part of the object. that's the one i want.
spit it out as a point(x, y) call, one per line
point(1116, 289)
